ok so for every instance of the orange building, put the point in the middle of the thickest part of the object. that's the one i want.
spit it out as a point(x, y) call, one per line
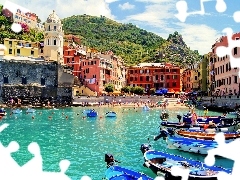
point(154, 75)
point(186, 80)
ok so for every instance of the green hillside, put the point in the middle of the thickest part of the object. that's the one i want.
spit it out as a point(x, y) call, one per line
point(133, 44)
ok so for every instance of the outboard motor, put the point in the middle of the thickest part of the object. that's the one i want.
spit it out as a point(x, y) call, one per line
point(109, 160)
point(179, 117)
point(145, 147)
point(163, 134)
point(171, 131)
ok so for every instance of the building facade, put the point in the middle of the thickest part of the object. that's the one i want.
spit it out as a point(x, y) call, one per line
point(22, 48)
point(226, 79)
point(97, 70)
point(53, 39)
point(194, 77)
point(186, 80)
point(203, 74)
point(154, 75)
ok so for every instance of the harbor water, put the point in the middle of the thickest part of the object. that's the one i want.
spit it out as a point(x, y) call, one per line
point(65, 134)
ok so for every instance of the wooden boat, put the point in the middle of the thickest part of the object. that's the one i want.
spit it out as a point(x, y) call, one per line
point(162, 162)
point(115, 172)
point(205, 135)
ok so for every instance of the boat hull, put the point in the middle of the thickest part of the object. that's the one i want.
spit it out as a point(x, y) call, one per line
point(161, 162)
point(30, 111)
point(111, 114)
point(200, 127)
point(120, 173)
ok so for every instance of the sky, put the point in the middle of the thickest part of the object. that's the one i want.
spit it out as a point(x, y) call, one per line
point(199, 31)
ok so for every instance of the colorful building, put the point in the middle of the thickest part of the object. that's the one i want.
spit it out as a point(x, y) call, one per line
point(203, 74)
point(226, 79)
point(97, 70)
point(22, 48)
point(19, 14)
point(186, 80)
point(154, 75)
point(194, 77)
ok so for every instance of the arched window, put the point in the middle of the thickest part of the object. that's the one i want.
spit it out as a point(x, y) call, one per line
point(54, 42)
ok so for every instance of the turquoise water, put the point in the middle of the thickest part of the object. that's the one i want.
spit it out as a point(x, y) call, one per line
point(85, 141)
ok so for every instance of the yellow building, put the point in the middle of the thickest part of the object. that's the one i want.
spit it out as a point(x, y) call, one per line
point(194, 77)
point(21, 48)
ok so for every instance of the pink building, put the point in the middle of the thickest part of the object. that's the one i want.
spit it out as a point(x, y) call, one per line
point(225, 79)
point(97, 70)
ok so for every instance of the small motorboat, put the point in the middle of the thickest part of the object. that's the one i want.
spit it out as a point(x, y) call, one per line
point(226, 124)
point(115, 172)
point(162, 162)
point(30, 110)
point(3, 112)
point(204, 119)
point(16, 111)
point(111, 114)
point(206, 135)
point(86, 111)
point(92, 113)
point(146, 108)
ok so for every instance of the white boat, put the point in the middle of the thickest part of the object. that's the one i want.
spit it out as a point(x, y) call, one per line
point(192, 145)
point(111, 114)
point(16, 111)
point(85, 112)
point(146, 108)
point(30, 110)
point(3, 112)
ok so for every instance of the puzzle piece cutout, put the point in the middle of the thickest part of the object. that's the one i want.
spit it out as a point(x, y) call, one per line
point(182, 8)
point(229, 151)
point(223, 50)
point(10, 169)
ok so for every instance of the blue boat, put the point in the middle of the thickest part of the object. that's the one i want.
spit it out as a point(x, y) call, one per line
point(162, 162)
point(228, 124)
point(92, 113)
point(202, 119)
point(115, 172)
point(3, 112)
point(86, 111)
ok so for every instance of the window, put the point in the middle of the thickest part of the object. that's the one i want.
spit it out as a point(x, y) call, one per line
point(48, 42)
point(175, 76)
point(174, 84)
point(235, 79)
point(43, 81)
point(49, 28)
point(32, 53)
point(141, 78)
point(10, 51)
point(54, 42)
point(168, 77)
point(230, 79)
point(162, 77)
point(18, 51)
point(156, 77)
point(5, 80)
point(147, 78)
point(24, 80)
point(196, 78)
point(55, 28)
point(131, 78)
point(235, 51)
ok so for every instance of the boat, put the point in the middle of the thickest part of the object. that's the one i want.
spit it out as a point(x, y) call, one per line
point(206, 135)
point(162, 162)
point(86, 111)
point(115, 172)
point(111, 114)
point(16, 111)
point(92, 113)
point(30, 110)
point(215, 119)
point(3, 112)
point(225, 124)
point(146, 108)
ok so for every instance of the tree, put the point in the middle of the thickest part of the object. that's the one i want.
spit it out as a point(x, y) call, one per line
point(138, 90)
point(109, 88)
point(126, 89)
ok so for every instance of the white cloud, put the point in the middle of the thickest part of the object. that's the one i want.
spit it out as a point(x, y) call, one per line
point(126, 6)
point(159, 14)
point(64, 9)
point(110, 1)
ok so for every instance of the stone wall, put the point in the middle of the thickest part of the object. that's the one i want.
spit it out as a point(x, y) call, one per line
point(222, 100)
point(42, 79)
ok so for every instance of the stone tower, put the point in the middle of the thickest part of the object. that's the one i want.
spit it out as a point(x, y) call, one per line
point(53, 39)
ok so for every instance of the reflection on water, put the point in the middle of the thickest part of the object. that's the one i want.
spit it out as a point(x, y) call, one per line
point(84, 141)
